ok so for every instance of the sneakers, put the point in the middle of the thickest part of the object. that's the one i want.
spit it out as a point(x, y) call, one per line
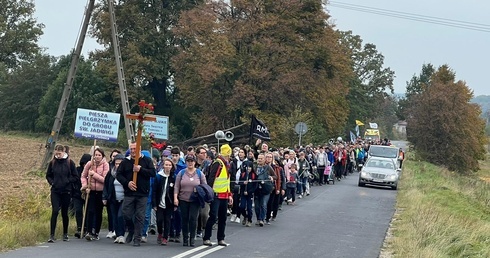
point(116, 241)
point(159, 239)
point(244, 221)
point(177, 239)
point(267, 222)
point(207, 242)
point(122, 240)
point(78, 234)
point(300, 196)
point(199, 235)
point(51, 239)
point(186, 242)
point(89, 237)
point(65, 238)
point(171, 239)
point(248, 224)
point(233, 218)
point(111, 234)
point(261, 223)
point(144, 239)
point(137, 243)
point(164, 241)
point(237, 220)
point(273, 219)
point(192, 242)
point(153, 230)
point(129, 238)
point(222, 243)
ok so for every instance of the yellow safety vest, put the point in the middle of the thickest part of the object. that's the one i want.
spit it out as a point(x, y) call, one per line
point(222, 182)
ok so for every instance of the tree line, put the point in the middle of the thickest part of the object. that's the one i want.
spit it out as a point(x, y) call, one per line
point(208, 65)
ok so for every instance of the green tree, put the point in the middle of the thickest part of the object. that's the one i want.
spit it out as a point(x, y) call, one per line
point(147, 45)
point(371, 84)
point(22, 91)
point(264, 57)
point(19, 32)
point(444, 127)
point(90, 91)
point(415, 86)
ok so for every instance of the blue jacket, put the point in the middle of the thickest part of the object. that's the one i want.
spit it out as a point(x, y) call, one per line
point(180, 165)
point(204, 194)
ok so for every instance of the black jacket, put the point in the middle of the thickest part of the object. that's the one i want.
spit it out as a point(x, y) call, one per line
point(125, 175)
point(61, 175)
point(159, 186)
point(77, 193)
point(247, 173)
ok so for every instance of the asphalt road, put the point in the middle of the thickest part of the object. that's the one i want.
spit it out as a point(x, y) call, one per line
point(340, 220)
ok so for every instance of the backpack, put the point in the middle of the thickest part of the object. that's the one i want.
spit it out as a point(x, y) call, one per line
point(360, 155)
point(198, 171)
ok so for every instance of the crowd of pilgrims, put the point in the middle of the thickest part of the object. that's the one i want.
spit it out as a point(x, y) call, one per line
point(169, 198)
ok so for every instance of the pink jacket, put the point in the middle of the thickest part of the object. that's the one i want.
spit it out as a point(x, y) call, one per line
point(97, 182)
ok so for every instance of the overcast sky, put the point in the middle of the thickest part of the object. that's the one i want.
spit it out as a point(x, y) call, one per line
point(405, 44)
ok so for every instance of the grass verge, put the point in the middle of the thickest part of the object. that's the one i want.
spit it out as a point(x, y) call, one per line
point(441, 214)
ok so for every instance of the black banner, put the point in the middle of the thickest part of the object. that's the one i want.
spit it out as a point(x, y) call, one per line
point(259, 130)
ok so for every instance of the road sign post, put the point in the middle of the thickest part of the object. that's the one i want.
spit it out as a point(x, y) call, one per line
point(300, 128)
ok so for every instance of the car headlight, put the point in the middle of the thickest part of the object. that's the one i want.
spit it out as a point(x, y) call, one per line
point(392, 177)
point(364, 174)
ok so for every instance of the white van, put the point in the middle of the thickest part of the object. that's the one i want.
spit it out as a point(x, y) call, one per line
point(384, 152)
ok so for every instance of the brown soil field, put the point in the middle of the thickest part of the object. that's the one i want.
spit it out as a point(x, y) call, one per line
point(20, 168)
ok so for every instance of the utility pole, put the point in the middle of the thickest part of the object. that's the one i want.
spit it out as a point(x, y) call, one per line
point(53, 137)
point(128, 125)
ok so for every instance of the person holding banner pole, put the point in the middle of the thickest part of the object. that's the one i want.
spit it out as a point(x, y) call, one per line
point(135, 193)
point(96, 171)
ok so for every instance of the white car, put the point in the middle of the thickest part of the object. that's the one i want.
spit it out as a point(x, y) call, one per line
point(379, 171)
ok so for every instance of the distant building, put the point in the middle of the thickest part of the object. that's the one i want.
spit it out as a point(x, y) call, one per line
point(400, 128)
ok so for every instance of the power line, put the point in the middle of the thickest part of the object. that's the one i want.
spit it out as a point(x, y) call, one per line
point(414, 17)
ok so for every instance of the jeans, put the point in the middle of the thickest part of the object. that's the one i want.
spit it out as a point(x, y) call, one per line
point(163, 221)
point(148, 210)
point(117, 218)
point(217, 211)
point(301, 185)
point(134, 208)
point(189, 212)
point(272, 205)
point(78, 209)
point(291, 193)
point(176, 223)
point(320, 171)
point(261, 205)
point(60, 200)
point(246, 206)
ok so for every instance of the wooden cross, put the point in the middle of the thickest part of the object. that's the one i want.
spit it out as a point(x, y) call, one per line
point(141, 119)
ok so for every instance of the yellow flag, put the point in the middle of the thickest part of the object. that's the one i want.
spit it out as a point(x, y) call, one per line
point(359, 123)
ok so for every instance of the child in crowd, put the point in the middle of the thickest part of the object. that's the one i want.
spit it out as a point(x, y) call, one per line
point(291, 184)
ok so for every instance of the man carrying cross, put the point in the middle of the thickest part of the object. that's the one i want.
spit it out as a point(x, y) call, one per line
point(135, 191)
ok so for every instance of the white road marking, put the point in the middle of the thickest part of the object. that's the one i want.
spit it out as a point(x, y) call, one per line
point(214, 249)
point(193, 250)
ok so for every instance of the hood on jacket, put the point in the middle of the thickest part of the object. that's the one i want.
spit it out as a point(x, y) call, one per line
point(85, 159)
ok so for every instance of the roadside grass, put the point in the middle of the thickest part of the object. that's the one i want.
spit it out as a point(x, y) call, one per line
point(440, 213)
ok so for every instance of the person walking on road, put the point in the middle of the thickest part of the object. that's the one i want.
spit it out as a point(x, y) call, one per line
point(221, 180)
point(135, 193)
point(61, 174)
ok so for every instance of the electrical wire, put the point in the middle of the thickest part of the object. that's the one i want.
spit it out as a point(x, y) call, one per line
point(414, 17)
